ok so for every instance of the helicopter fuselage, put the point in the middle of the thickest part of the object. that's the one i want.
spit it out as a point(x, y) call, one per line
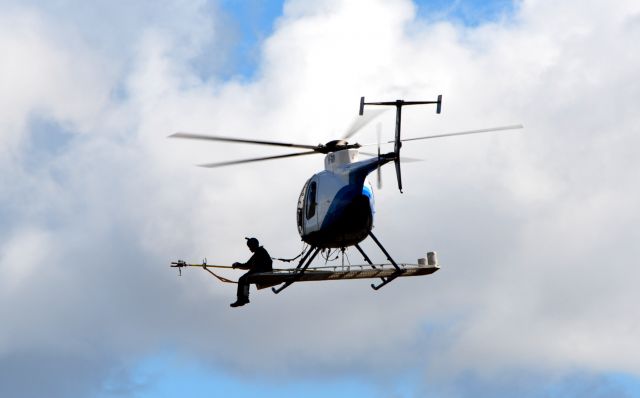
point(336, 206)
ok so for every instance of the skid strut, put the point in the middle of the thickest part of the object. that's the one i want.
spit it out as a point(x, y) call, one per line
point(364, 255)
point(388, 279)
point(300, 268)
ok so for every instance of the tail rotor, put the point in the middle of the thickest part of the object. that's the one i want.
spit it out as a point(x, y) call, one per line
point(398, 141)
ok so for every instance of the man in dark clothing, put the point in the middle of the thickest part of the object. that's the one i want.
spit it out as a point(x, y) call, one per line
point(260, 261)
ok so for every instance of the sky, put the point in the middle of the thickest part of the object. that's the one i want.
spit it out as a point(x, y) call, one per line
point(536, 230)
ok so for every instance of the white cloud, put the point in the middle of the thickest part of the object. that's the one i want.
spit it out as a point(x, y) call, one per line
point(535, 230)
point(20, 258)
point(47, 75)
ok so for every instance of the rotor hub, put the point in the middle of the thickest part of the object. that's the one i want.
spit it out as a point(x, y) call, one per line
point(335, 146)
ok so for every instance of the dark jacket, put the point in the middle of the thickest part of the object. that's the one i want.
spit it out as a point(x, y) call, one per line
point(260, 261)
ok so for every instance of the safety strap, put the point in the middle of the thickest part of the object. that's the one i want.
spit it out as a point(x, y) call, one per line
point(220, 278)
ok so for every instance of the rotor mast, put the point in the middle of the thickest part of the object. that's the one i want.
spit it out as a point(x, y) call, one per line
point(398, 142)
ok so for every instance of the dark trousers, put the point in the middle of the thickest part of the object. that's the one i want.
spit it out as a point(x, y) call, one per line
point(243, 286)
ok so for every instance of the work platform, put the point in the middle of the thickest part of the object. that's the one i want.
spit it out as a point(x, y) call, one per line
point(327, 273)
point(304, 273)
point(267, 279)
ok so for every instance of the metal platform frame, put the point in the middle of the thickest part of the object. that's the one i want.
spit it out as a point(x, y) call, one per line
point(305, 261)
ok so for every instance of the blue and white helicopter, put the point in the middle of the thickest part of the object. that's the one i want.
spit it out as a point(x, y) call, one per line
point(336, 206)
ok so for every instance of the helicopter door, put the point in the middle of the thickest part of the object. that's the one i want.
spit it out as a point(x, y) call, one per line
point(311, 207)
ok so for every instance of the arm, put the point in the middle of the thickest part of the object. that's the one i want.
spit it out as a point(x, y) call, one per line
point(239, 265)
point(250, 264)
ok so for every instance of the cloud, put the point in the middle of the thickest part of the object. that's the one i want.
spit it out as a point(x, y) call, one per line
point(535, 230)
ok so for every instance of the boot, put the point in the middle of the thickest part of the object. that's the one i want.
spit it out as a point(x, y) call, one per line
point(243, 296)
point(240, 302)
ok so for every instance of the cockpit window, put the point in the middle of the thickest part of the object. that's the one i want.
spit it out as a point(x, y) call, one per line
point(311, 200)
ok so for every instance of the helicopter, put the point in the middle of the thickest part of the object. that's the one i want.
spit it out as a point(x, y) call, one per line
point(336, 206)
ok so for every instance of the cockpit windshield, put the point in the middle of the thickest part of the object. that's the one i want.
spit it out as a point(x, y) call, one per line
point(311, 200)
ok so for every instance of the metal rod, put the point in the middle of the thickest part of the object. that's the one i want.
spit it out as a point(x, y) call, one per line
point(304, 258)
point(315, 253)
point(398, 269)
point(384, 251)
point(287, 284)
point(384, 282)
point(366, 258)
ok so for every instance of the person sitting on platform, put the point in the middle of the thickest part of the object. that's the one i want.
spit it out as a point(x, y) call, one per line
point(260, 261)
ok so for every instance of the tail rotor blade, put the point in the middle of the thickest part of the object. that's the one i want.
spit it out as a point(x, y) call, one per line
point(396, 162)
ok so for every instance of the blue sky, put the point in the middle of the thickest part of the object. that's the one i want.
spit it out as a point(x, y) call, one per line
point(168, 376)
point(93, 189)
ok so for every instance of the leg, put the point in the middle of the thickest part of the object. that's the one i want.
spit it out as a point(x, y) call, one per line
point(243, 291)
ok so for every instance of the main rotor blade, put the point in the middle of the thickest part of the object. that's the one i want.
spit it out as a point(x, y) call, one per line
point(362, 121)
point(513, 127)
point(232, 162)
point(239, 140)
